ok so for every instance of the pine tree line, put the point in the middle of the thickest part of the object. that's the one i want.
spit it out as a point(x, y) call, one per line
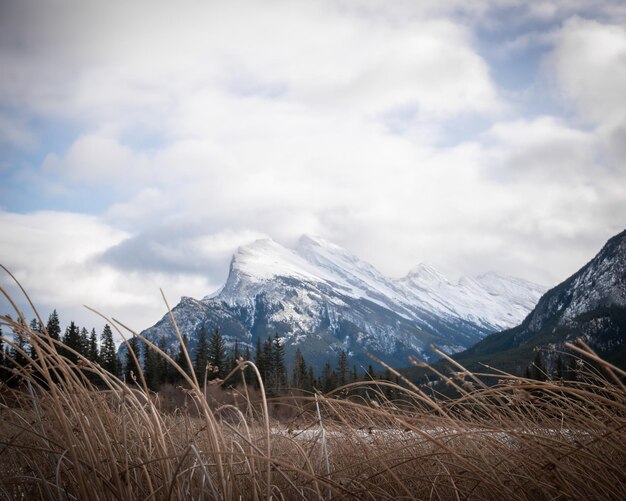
point(211, 360)
point(560, 366)
point(75, 341)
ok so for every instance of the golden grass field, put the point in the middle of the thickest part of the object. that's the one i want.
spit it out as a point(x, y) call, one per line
point(71, 431)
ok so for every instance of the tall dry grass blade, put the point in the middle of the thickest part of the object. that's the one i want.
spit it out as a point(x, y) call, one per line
point(181, 341)
point(587, 352)
point(449, 359)
point(6, 270)
point(516, 439)
point(323, 437)
point(423, 397)
point(266, 422)
point(205, 474)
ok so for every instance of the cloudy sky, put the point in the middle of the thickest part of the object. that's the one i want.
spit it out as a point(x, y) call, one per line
point(142, 142)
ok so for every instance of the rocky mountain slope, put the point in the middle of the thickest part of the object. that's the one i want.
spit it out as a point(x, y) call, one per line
point(322, 299)
point(590, 304)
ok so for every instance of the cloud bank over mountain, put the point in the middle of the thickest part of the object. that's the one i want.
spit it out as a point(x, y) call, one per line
point(146, 141)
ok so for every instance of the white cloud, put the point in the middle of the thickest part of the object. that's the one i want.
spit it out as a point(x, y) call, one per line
point(56, 257)
point(590, 64)
point(497, 203)
point(148, 68)
point(185, 248)
point(48, 240)
point(96, 158)
point(541, 150)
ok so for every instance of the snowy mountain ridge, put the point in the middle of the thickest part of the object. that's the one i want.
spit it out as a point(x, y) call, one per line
point(492, 300)
point(321, 298)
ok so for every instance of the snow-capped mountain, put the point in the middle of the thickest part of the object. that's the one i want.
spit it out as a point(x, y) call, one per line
point(321, 298)
point(590, 304)
point(491, 300)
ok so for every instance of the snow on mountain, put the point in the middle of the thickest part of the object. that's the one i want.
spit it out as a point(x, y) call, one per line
point(265, 259)
point(600, 283)
point(491, 300)
point(356, 277)
point(258, 263)
point(591, 304)
point(425, 276)
point(603, 283)
point(322, 298)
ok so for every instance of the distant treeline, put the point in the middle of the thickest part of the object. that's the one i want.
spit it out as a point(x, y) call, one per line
point(211, 360)
point(74, 342)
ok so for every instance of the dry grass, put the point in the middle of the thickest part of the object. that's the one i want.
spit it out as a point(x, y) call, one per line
point(62, 436)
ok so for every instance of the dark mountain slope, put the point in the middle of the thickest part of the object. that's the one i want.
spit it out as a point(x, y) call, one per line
point(590, 304)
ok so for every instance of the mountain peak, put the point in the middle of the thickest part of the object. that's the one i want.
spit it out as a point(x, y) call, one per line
point(260, 244)
point(620, 238)
point(601, 283)
point(307, 239)
point(500, 284)
point(320, 292)
point(314, 243)
point(426, 275)
point(264, 259)
point(346, 269)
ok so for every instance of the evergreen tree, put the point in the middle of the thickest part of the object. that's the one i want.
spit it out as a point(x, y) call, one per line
point(72, 340)
point(131, 369)
point(262, 361)
point(84, 342)
point(35, 327)
point(54, 327)
point(181, 359)
point(151, 367)
point(538, 370)
point(236, 378)
point(277, 357)
point(572, 369)
point(342, 368)
point(242, 375)
point(389, 392)
point(559, 367)
point(217, 354)
point(166, 371)
point(108, 354)
point(236, 355)
point(329, 378)
point(92, 352)
point(299, 371)
point(18, 355)
point(311, 382)
point(201, 356)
